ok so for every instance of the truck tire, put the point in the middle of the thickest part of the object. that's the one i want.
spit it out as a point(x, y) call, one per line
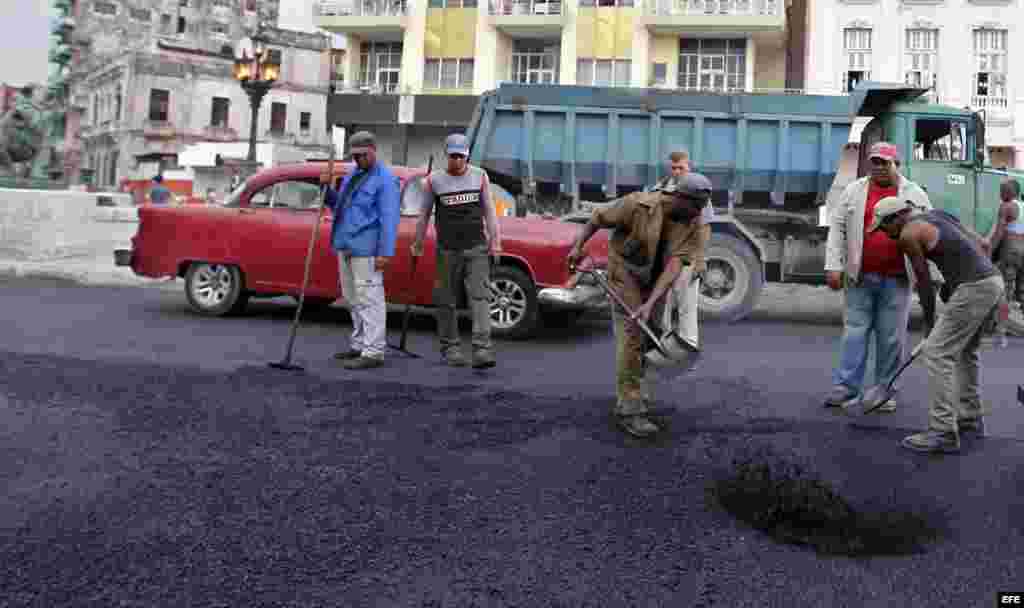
point(515, 313)
point(733, 281)
point(215, 290)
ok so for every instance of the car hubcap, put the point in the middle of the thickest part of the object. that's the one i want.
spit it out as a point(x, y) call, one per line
point(212, 285)
point(508, 304)
point(720, 280)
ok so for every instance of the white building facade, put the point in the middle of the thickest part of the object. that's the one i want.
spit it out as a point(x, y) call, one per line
point(967, 51)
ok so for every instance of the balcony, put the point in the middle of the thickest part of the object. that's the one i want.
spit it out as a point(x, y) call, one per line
point(367, 19)
point(527, 18)
point(367, 89)
point(714, 16)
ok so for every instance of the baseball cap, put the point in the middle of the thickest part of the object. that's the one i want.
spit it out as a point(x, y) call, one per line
point(888, 207)
point(693, 185)
point(360, 142)
point(883, 150)
point(456, 144)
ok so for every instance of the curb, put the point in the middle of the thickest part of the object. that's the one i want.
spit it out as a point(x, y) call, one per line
point(82, 276)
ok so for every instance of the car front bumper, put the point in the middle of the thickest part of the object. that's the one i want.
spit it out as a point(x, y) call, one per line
point(581, 297)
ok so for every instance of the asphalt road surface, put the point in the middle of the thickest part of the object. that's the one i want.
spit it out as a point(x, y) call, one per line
point(150, 458)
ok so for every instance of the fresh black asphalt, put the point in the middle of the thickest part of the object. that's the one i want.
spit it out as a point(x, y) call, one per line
point(198, 477)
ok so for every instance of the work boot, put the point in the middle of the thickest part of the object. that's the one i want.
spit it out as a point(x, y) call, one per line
point(974, 427)
point(363, 363)
point(840, 396)
point(348, 354)
point(637, 425)
point(933, 442)
point(453, 357)
point(483, 358)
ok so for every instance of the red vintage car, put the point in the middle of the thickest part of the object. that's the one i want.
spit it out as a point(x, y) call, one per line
point(255, 244)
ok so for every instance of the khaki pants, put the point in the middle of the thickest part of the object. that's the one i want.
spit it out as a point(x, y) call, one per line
point(951, 353)
point(457, 269)
point(362, 286)
point(632, 390)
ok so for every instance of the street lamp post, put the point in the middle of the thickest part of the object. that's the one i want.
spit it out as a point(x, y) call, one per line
point(257, 75)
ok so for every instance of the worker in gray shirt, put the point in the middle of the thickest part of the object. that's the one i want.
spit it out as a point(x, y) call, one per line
point(467, 237)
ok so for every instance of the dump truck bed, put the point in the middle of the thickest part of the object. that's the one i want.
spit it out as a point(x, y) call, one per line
point(620, 138)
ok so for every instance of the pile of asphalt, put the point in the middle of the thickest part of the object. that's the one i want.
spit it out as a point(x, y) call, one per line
point(784, 498)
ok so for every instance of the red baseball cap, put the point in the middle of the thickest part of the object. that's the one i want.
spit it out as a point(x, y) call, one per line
point(883, 150)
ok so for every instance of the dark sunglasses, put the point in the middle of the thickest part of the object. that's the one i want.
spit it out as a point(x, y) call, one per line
point(880, 162)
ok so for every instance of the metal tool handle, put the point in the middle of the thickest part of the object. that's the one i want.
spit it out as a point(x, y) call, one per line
point(618, 300)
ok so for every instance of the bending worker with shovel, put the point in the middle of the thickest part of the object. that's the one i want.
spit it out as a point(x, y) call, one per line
point(974, 288)
point(655, 235)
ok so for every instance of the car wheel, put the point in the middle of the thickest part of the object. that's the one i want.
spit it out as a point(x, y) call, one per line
point(514, 313)
point(733, 280)
point(215, 289)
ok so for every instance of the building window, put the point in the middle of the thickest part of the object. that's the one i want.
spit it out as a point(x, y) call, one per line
point(183, 3)
point(448, 74)
point(159, 105)
point(659, 74)
point(165, 24)
point(221, 3)
point(857, 48)
point(337, 66)
point(221, 110)
point(609, 3)
point(380, 64)
point(182, 25)
point(604, 72)
point(219, 29)
point(922, 53)
point(278, 117)
point(452, 3)
point(141, 14)
point(990, 58)
point(305, 119)
point(713, 64)
point(104, 8)
point(535, 62)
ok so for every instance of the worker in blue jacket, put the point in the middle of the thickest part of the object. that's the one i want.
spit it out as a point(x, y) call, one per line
point(366, 213)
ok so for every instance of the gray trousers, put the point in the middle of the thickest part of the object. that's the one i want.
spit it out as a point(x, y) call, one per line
point(457, 269)
point(951, 353)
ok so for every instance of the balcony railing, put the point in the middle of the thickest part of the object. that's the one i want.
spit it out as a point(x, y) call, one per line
point(361, 8)
point(366, 89)
point(714, 7)
point(986, 102)
point(502, 8)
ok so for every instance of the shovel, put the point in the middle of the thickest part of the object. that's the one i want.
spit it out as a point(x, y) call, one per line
point(670, 351)
point(889, 387)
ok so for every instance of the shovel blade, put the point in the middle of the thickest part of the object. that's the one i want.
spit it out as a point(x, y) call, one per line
point(290, 367)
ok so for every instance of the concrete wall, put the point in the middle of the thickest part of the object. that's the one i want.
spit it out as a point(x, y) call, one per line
point(40, 225)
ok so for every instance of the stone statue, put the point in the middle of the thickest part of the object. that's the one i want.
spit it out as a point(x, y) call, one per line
point(22, 134)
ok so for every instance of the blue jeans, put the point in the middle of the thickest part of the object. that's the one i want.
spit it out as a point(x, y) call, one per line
point(878, 306)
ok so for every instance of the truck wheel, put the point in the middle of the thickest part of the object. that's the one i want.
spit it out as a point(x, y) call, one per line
point(514, 310)
point(733, 279)
point(215, 290)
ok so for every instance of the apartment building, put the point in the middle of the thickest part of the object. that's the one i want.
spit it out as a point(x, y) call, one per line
point(963, 50)
point(151, 77)
point(414, 67)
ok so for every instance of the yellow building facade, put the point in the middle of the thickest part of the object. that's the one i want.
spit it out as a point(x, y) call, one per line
point(417, 47)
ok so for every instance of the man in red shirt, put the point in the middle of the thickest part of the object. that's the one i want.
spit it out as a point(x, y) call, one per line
point(876, 278)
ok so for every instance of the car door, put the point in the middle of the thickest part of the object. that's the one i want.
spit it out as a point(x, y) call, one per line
point(942, 164)
point(274, 239)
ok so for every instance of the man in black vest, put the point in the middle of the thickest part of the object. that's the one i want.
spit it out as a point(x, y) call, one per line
point(461, 195)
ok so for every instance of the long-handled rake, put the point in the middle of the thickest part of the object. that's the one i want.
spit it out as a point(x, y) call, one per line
point(286, 363)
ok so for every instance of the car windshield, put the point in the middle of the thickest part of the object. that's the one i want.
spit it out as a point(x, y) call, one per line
point(236, 196)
